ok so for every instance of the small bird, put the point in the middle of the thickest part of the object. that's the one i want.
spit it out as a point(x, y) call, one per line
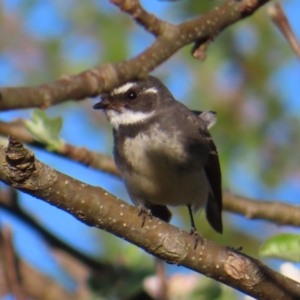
point(164, 152)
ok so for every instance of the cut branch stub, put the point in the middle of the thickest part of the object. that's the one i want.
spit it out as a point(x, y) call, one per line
point(23, 171)
point(20, 161)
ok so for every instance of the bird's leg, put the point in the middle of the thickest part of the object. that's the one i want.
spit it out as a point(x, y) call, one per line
point(197, 235)
point(144, 212)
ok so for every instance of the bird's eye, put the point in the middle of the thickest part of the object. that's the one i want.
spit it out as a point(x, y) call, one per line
point(131, 95)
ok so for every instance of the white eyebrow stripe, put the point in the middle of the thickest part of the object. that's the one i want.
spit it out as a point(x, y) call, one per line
point(123, 88)
point(151, 90)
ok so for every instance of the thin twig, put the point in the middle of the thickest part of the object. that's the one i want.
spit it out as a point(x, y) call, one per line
point(149, 21)
point(281, 21)
point(162, 278)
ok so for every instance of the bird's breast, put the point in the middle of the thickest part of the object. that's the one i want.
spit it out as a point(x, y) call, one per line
point(152, 167)
point(150, 148)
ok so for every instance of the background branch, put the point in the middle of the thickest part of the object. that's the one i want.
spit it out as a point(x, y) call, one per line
point(95, 207)
point(149, 21)
point(11, 265)
point(274, 211)
point(34, 283)
point(82, 155)
point(170, 39)
point(281, 21)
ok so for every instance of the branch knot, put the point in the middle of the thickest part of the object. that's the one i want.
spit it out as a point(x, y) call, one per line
point(20, 161)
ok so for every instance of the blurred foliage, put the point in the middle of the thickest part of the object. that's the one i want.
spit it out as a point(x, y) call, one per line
point(284, 246)
point(257, 132)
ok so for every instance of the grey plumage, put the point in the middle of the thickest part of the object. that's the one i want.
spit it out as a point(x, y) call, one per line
point(164, 151)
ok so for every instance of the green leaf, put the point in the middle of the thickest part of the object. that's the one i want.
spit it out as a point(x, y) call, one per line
point(283, 246)
point(46, 130)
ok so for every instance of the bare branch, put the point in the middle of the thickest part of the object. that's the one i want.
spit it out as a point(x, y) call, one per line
point(281, 21)
point(96, 207)
point(82, 155)
point(162, 278)
point(170, 39)
point(149, 21)
point(11, 266)
point(35, 284)
point(274, 211)
point(90, 158)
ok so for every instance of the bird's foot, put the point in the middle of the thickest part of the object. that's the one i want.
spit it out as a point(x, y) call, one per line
point(144, 212)
point(198, 237)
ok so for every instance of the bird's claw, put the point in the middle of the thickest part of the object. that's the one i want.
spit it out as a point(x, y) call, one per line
point(198, 237)
point(144, 212)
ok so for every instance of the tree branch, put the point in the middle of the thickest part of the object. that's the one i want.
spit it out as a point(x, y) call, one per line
point(95, 207)
point(11, 265)
point(82, 155)
point(149, 21)
point(281, 21)
point(170, 38)
point(8, 203)
point(112, 272)
point(274, 211)
point(34, 283)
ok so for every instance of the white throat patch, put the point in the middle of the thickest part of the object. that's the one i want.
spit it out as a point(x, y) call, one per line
point(126, 117)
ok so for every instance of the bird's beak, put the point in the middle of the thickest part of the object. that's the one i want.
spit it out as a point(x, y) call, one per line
point(104, 104)
point(99, 105)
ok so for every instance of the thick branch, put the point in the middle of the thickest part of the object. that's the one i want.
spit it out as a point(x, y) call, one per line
point(95, 207)
point(170, 39)
point(9, 204)
point(274, 211)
